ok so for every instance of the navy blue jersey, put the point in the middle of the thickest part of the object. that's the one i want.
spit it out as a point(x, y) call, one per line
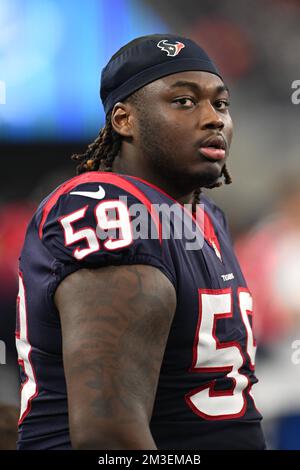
point(203, 399)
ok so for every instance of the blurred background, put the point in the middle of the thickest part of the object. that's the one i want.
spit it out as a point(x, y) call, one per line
point(51, 56)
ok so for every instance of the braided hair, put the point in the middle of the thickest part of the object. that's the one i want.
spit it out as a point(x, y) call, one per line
point(101, 153)
point(227, 180)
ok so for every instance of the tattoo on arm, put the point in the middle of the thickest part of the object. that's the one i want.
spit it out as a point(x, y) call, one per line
point(115, 324)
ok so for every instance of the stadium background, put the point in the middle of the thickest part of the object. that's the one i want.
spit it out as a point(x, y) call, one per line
point(51, 55)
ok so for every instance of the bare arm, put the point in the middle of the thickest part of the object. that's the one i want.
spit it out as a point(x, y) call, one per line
point(115, 323)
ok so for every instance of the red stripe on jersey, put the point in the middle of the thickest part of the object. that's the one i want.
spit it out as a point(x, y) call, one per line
point(100, 177)
point(208, 229)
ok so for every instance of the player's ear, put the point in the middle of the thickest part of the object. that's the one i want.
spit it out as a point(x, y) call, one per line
point(122, 119)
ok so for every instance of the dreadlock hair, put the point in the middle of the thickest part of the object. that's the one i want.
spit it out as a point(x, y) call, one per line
point(227, 180)
point(100, 154)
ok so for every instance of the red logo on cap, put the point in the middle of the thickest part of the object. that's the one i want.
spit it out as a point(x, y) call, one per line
point(170, 49)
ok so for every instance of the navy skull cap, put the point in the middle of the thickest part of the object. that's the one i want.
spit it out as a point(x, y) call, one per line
point(147, 59)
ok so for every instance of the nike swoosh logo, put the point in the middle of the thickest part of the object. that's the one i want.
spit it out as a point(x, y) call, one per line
point(100, 194)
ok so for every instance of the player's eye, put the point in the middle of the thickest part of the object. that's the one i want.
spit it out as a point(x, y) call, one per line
point(222, 104)
point(184, 102)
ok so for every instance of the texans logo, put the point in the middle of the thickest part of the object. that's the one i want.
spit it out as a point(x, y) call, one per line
point(170, 49)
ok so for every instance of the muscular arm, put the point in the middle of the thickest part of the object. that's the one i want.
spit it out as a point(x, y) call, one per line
point(115, 323)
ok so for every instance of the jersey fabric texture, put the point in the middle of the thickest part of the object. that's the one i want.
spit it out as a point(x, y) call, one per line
point(203, 399)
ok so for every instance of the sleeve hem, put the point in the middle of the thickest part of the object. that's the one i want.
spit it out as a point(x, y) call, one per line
point(62, 270)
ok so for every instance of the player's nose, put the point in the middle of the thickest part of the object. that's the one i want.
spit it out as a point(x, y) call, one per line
point(209, 118)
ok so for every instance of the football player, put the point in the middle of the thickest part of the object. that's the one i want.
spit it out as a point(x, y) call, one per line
point(129, 335)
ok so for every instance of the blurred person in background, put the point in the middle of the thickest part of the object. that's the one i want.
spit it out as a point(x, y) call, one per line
point(270, 258)
point(140, 343)
point(8, 427)
point(14, 218)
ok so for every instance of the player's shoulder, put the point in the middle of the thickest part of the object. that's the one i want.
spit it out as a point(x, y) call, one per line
point(91, 189)
point(102, 185)
point(106, 184)
point(210, 204)
point(88, 200)
point(99, 219)
point(214, 210)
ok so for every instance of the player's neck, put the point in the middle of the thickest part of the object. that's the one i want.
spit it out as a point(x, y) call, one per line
point(128, 168)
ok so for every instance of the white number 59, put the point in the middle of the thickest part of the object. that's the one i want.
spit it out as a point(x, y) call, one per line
point(89, 235)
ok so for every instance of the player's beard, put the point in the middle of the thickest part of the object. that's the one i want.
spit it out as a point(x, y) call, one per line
point(160, 153)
